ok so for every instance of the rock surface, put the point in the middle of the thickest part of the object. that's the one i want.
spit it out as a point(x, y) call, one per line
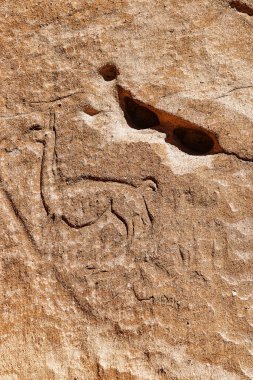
point(126, 151)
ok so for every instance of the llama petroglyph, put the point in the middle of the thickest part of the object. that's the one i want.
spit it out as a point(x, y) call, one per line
point(81, 201)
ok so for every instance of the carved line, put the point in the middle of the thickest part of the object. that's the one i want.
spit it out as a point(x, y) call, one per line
point(151, 218)
point(78, 226)
point(85, 308)
point(71, 180)
point(41, 185)
point(55, 99)
point(122, 219)
point(20, 218)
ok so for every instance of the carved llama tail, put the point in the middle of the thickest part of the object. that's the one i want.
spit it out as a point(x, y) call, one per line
point(147, 185)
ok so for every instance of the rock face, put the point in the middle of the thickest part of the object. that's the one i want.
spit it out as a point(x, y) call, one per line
point(126, 151)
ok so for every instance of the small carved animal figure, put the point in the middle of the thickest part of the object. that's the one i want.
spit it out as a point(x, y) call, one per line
point(82, 201)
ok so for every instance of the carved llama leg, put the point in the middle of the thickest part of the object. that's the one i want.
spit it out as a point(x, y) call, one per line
point(124, 214)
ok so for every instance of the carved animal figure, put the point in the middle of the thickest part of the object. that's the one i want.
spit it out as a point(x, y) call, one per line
point(82, 201)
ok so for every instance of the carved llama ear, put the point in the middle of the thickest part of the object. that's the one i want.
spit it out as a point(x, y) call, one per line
point(36, 127)
point(188, 137)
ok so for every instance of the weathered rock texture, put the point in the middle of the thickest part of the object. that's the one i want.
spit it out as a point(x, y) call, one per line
point(126, 190)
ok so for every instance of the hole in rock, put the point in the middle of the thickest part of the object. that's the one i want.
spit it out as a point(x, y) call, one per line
point(35, 127)
point(109, 72)
point(193, 141)
point(90, 110)
point(138, 116)
point(241, 7)
point(188, 137)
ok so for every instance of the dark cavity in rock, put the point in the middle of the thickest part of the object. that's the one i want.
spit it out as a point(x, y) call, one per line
point(35, 127)
point(139, 117)
point(193, 141)
point(186, 136)
point(109, 72)
point(241, 7)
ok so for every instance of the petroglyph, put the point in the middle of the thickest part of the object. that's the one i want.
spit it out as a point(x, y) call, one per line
point(81, 201)
point(126, 218)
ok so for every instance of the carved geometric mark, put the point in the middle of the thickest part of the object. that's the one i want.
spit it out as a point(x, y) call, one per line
point(6, 198)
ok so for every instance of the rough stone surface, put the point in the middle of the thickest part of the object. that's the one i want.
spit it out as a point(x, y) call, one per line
point(126, 175)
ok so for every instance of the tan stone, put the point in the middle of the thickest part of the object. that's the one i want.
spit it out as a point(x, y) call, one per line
point(126, 150)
